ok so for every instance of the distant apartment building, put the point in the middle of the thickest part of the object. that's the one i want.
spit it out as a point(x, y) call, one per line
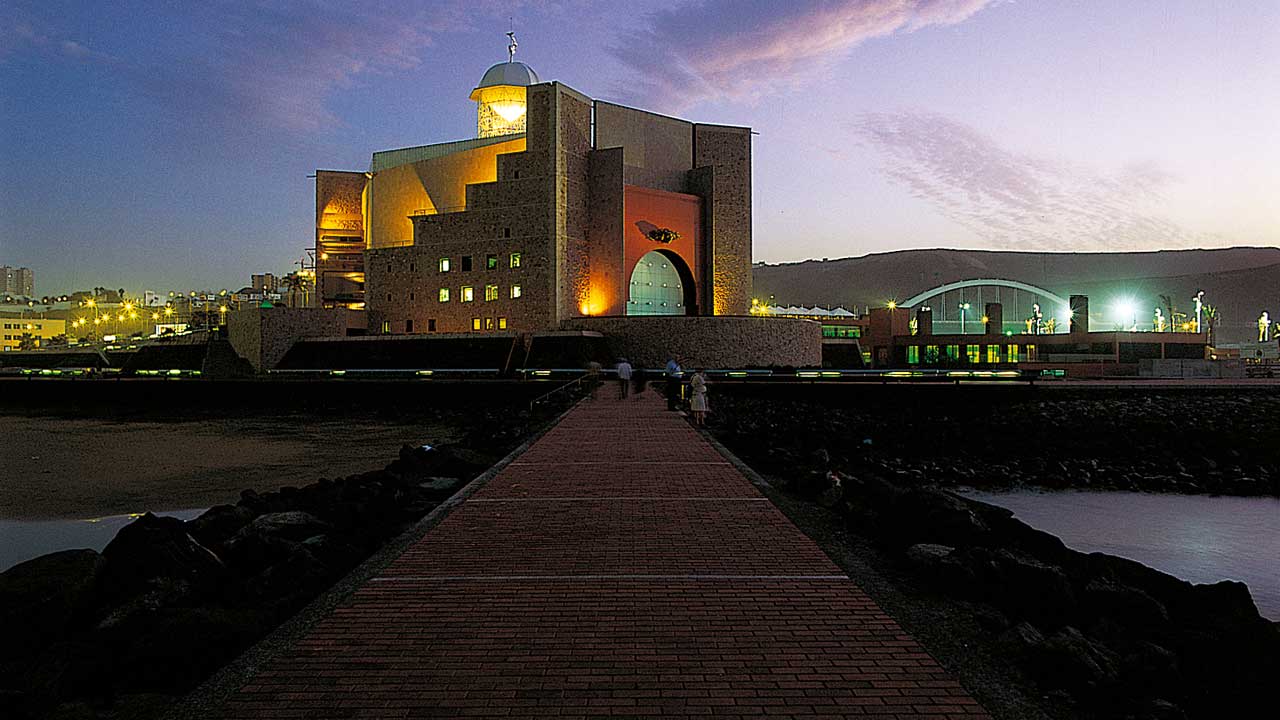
point(265, 283)
point(17, 281)
point(38, 330)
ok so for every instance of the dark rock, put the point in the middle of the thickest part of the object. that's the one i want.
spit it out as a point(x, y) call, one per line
point(1020, 638)
point(441, 485)
point(299, 573)
point(294, 525)
point(41, 597)
point(218, 523)
point(1022, 586)
point(249, 553)
point(1071, 661)
point(928, 555)
point(72, 711)
point(1123, 604)
point(180, 646)
point(71, 670)
point(152, 547)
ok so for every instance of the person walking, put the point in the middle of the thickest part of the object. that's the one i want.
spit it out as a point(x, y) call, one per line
point(675, 376)
point(624, 377)
point(698, 403)
point(593, 377)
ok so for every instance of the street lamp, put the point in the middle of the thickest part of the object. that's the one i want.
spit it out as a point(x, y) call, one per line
point(964, 308)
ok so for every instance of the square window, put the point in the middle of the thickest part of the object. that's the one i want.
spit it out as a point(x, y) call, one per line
point(490, 293)
point(431, 324)
point(444, 264)
point(515, 260)
point(475, 323)
point(515, 291)
point(468, 293)
point(466, 263)
point(444, 294)
point(491, 262)
point(502, 323)
point(488, 323)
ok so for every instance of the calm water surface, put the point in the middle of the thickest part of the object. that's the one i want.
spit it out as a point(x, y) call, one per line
point(21, 540)
point(1193, 537)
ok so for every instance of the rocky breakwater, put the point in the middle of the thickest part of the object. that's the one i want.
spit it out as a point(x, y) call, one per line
point(120, 633)
point(1098, 636)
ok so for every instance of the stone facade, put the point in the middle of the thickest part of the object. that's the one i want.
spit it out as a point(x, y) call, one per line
point(558, 196)
point(709, 342)
point(263, 335)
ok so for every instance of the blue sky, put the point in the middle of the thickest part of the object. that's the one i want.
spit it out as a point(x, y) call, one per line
point(158, 145)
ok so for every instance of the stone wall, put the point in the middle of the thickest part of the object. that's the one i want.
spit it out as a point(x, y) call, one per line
point(263, 335)
point(727, 150)
point(713, 342)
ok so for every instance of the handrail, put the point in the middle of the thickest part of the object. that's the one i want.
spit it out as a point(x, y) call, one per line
point(576, 381)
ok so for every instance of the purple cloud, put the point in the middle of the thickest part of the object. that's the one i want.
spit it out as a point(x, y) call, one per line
point(744, 48)
point(1017, 201)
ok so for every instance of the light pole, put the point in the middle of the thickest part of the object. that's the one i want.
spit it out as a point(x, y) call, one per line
point(964, 308)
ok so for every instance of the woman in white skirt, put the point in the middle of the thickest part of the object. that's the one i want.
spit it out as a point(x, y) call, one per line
point(698, 403)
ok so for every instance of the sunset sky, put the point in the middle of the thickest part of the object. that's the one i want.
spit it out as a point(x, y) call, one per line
point(167, 145)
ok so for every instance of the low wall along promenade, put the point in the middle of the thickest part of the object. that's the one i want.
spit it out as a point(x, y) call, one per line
point(719, 341)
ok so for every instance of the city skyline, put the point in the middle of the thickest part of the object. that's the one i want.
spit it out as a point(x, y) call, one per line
point(171, 148)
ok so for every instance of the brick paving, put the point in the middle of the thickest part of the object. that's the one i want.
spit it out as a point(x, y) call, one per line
point(620, 567)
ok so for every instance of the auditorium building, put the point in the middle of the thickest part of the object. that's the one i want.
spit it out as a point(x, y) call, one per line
point(562, 207)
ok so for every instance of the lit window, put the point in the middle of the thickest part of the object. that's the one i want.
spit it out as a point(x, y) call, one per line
point(502, 323)
point(1032, 355)
point(953, 353)
point(475, 323)
point(515, 260)
point(993, 354)
point(490, 293)
point(491, 262)
point(444, 294)
point(515, 291)
point(1011, 353)
point(444, 264)
point(488, 323)
point(913, 354)
point(974, 353)
point(386, 327)
point(468, 293)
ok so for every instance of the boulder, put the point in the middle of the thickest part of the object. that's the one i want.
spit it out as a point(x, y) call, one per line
point(1071, 661)
point(41, 597)
point(71, 670)
point(152, 547)
point(293, 525)
point(217, 524)
point(928, 555)
point(1125, 605)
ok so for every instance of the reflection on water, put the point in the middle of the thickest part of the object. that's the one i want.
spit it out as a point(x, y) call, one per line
point(21, 540)
point(1194, 537)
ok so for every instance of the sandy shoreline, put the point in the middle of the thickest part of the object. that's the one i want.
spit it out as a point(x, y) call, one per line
point(83, 468)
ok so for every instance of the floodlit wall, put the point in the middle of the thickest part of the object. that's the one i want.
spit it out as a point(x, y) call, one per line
point(712, 342)
point(263, 335)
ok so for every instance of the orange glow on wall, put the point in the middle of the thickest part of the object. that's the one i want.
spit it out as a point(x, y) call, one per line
point(648, 212)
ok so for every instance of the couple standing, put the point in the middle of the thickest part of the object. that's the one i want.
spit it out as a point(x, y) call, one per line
point(697, 391)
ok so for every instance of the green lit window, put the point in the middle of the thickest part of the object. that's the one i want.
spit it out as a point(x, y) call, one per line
point(515, 260)
point(490, 262)
point(953, 353)
point(993, 354)
point(444, 294)
point(444, 264)
point(490, 293)
point(468, 294)
point(475, 323)
point(1011, 353)
point(913, 354)
point(931, 354)
point(973, 353)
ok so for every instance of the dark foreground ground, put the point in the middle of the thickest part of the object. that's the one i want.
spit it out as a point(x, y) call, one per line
point(124, 632)
point(1032, 628)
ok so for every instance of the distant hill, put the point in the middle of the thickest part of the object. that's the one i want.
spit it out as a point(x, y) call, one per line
point(1240, 281)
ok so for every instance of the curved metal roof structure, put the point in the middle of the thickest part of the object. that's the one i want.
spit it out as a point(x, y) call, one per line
point(512, 72)
point(981, 282)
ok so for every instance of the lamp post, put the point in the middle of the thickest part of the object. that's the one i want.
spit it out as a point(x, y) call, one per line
point(964, 308)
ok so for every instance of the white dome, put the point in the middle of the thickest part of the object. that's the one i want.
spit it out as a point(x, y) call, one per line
point(509, 73)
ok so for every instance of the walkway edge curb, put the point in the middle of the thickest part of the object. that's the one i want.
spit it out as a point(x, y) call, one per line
point(756, 478)
point(213, 693)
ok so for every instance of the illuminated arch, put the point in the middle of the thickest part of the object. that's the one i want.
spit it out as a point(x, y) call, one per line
point(983, 282)
point(661, 284)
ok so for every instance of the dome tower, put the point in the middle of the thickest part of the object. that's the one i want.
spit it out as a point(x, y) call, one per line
point(500, 96)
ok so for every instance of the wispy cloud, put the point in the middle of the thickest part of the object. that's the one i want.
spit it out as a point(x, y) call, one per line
point(1018, 201)
point(745, 48)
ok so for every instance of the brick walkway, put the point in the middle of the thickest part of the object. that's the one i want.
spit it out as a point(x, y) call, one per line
point(619, 567)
